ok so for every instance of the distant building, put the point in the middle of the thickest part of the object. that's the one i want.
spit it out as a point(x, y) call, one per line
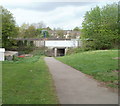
point(68, 34)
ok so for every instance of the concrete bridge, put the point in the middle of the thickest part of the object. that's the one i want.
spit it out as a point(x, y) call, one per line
point(58, 47)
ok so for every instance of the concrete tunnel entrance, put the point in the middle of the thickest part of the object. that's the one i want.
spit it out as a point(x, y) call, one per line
point(60, 51)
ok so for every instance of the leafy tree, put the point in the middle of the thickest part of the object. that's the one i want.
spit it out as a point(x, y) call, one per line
point(48, 28)
point(39, 25)
point(39, 32)
point(27, 31)
point(30, 32)
point(9, 29)
point(100, 27)
point(47, 34)
point(60, 33)
point(76, 29)
point(33, 30)
point(0, 28)
point(22, 30)
point(109, 22)
point(119, 23)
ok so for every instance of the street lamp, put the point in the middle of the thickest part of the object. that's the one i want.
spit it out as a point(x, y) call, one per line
point(44, 34)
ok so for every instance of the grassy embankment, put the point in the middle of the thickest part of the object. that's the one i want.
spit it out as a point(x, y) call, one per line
point(100, 64)
point(0, 83)
point(28, 81)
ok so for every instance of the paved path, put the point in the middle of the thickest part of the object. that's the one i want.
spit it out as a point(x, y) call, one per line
point(74, 87)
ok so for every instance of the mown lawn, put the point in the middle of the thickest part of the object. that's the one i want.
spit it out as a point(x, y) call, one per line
point(28, 81)
point(100, 64)
point(0, 82)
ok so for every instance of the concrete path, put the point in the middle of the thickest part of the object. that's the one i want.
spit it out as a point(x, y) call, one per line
point(74, 87)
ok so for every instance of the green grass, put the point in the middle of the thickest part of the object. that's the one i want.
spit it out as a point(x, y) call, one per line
point(28, 81)
point(99, 64)
point(0, 83)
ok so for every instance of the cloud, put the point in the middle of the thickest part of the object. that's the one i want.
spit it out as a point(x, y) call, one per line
point(66, 15)
point(60, 17)
point(43, 6)
point(47, 5)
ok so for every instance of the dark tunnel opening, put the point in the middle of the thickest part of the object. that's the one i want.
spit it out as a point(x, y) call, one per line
point(60, 51)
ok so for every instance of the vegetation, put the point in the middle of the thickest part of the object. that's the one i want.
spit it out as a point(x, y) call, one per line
point(9, 28)
point(74, 50)
point(32, 31)
point(39, 51)
point(0, 83)
point(60, 33)
point(100, 64)
point(100, 28)
point(27, 81)
point(76, 29)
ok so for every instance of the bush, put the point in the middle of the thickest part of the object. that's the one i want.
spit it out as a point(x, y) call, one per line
point(74, 50)
point(88, 45)
point(39, 51)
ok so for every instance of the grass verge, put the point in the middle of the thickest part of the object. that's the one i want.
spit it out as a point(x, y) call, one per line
point(101, 64)
point(28, 81)
point(0, 83)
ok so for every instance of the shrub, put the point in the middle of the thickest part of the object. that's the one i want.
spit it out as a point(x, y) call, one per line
point(74, 50)
point(38, 51)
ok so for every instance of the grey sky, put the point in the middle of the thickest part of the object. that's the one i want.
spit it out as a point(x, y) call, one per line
point(46, 6)
point(66, 15)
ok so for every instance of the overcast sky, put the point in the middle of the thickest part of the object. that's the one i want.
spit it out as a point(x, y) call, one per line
point(65, 14)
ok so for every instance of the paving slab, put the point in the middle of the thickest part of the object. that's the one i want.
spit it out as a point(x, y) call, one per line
point(74, 87)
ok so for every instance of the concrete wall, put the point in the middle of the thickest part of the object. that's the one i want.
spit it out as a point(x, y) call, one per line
point(38, 43)
point(60, 43)
point(2, 50)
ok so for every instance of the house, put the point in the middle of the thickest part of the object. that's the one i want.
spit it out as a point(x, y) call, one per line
point(68, 34)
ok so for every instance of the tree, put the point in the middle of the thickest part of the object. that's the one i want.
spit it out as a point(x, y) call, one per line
point(60, 33)
point(39, 32)
point(48, 28)
point(39, 25)
point(30, 32)
point(44, 34)
point(100, 27)
point(0, 27)
point(9, 29)
point(22, 30)
point(76, 29)
point(109, 22)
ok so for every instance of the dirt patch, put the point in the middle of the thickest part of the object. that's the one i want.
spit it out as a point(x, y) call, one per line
point(116, 71)
point(104, 84)
point(116, 58)
point(27, 55)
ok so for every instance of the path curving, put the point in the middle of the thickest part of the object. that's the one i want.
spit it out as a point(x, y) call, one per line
point(74, 87)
